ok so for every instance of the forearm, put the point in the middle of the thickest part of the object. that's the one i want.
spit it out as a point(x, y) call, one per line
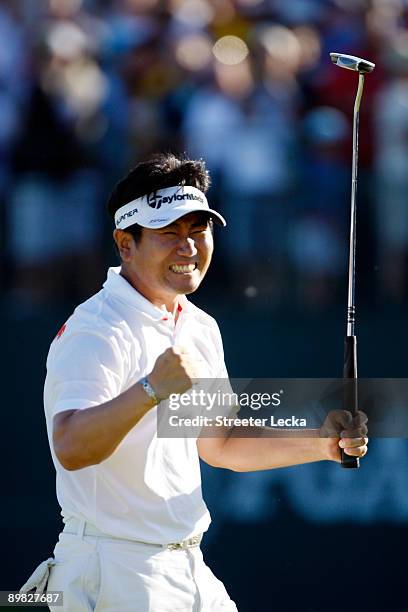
point(87, 437)
point(259, 451)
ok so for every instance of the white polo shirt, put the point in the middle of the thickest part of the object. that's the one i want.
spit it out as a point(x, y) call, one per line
point(149, 489)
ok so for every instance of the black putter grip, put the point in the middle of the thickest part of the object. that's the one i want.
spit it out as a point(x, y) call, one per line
point(350, 398)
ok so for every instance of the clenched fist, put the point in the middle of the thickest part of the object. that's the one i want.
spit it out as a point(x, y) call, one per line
point(173, 372)
point(345, 431)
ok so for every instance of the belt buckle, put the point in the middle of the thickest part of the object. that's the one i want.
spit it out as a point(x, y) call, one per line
point(175, 546)
point(190, 543)
point(194, 541)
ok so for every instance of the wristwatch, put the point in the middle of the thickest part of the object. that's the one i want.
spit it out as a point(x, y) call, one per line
point(149, 389)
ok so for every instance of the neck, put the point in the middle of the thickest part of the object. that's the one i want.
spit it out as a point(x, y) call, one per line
point(164, 302)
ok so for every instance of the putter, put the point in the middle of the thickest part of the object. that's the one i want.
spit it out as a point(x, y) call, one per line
point(363, 67)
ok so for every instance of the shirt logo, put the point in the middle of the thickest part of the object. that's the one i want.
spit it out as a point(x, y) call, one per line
point(61, 331)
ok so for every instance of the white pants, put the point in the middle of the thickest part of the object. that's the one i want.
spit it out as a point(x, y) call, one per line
point(110, 575)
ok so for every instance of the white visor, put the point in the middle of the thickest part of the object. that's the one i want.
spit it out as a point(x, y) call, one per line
point(162, 207)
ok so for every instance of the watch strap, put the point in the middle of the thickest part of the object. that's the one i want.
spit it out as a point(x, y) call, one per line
point(149, 389)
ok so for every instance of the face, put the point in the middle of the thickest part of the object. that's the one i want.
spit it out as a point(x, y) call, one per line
point(169, 261)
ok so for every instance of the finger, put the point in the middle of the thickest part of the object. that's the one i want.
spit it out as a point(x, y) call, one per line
point(357, 451)
point(343, 418)
point(177, 350)
point(355, 432)
point(190, 368)
point(360, 418)
point(182, 350)
point(353, 442)
point(339, 419)
point(192, 363)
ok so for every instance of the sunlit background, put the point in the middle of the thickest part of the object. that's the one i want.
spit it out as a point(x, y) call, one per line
point(90, 87)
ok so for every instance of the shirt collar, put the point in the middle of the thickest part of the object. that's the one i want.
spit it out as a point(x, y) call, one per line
point(118, 286)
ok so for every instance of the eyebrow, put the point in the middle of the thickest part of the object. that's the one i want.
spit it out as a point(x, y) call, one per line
point(198, 223)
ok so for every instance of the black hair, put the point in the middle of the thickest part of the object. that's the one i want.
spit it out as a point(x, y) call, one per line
point(157, 172)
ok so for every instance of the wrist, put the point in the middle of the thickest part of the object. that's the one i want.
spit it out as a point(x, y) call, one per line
point(330, 449)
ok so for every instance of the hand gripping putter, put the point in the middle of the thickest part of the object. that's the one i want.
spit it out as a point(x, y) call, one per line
point(363, 67)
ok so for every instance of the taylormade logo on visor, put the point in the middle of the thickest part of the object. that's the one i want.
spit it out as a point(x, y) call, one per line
point(173, 202)
point(155, 201)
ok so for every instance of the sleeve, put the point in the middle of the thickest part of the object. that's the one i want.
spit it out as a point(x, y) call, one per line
point(86, 370)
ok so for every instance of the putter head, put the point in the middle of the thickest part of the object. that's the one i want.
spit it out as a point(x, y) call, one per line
point(350, 62)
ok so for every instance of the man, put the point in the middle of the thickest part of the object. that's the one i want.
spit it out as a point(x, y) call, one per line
point(131, 500)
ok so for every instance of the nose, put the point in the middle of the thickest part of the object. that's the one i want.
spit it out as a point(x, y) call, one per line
point(186, 247)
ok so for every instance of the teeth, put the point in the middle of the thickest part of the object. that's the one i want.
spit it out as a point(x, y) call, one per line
point(183, 269)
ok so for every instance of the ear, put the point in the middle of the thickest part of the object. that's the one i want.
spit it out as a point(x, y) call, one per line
point(125, 244)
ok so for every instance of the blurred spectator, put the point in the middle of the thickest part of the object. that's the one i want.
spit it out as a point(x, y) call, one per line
point(319, 233)
point(392, 176)
point(13, 80)
point(54, 223)
point(244, 129)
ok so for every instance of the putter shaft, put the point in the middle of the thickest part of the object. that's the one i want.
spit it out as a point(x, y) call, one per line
point(351, 309)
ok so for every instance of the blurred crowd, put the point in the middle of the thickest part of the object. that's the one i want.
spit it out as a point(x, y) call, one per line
point(89, 87)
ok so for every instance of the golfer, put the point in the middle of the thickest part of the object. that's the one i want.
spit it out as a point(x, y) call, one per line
point(131, 501)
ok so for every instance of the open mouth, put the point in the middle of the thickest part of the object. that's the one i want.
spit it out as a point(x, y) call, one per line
point(183, 269)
